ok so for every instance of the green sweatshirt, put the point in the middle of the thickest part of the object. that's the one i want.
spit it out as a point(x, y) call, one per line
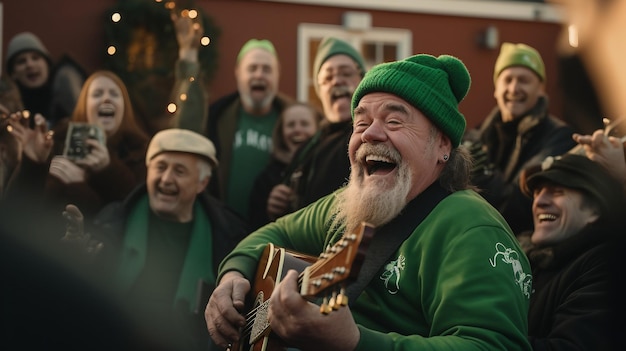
point(459, 282)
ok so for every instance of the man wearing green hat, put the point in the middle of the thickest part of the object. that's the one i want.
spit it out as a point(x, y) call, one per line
point(577, 208)
point(322, 165)
point(241, 123)
point(454, 277)
point(517, 134)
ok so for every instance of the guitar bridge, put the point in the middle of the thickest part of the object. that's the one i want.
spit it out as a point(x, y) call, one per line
point(261, 324)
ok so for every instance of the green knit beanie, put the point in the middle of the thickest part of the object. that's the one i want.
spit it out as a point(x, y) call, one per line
point(519, 55)
point(433, 85)
point(256, 44)
point(332, 46)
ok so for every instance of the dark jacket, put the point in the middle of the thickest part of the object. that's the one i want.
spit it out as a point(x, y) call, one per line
point(513, 147)
point(227, 230)
point(271, 176)
point(323, 163)
point(570, 305)
point(221, 129)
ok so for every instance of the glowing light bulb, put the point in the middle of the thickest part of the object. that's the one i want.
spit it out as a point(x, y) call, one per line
point(183, 97)
point(205, 41)
point(116, 17)
point(111, 50)
point(193, 13)
point(171, 108)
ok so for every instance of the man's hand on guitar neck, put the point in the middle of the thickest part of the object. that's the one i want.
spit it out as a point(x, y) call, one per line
point(300, 323)
point(223, 312)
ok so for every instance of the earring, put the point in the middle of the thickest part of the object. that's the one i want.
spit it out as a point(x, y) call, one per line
point(445, 157)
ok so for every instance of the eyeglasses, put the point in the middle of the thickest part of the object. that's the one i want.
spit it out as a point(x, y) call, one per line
point(327, 78)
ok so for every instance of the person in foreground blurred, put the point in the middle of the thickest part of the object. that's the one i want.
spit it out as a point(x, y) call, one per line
point(458, 280)
point(576, 208)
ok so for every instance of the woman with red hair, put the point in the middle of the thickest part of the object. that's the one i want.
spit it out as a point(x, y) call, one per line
point(107, 170)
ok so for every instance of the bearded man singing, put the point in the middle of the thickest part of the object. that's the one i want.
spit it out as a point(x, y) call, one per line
point(457, 281)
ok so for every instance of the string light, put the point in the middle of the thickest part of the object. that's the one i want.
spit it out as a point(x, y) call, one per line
point(116, 17)
point(171, 108)
point(205, 41)
point(111, 50)
point(183, 97)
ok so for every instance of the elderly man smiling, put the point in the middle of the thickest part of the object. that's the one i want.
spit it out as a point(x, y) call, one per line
point(458, 280)
point(166, 239)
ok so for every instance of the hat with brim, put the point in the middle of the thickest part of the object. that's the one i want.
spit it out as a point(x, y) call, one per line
point(576, 172)
point(181, 140)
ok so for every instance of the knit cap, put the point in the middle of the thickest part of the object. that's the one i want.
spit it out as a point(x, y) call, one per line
point(25, 41)
point(519, 55)
point(332, 46)
point(256, 44)
point(433, 85)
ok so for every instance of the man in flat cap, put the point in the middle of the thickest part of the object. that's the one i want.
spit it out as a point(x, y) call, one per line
point(164, 242)
point(577, 207)
point(517, 134)
point(241, 124)
point(321, 166)
point(451, 275)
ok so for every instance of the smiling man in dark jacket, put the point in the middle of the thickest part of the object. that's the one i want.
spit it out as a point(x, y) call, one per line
point(517, 134)
point(161, 247)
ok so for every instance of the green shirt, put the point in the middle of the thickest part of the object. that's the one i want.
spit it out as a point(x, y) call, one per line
point(252, 147)
point(459, 282)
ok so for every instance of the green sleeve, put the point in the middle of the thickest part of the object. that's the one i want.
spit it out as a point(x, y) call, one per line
point(303, 231)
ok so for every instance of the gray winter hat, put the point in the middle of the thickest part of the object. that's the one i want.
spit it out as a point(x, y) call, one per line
point(25, 41)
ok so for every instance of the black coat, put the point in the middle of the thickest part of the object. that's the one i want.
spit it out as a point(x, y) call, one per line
point(572, 293)
point(513, 147)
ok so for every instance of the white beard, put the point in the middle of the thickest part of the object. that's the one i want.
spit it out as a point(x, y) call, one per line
point(376, 203)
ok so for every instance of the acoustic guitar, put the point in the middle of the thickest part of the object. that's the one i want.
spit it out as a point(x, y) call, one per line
point(320, 277)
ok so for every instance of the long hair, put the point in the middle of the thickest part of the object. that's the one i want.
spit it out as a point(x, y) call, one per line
point(456, 173)
point(128, 124)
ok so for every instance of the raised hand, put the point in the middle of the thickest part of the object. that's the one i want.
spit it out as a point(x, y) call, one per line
point(75, 232)
point(36, 142)
point(66, 171)
point(279, 201)
point(98, 157)
point(606, 150)
point(189, 31)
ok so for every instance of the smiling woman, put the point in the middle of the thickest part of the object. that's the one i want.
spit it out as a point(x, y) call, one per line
point(106, 172)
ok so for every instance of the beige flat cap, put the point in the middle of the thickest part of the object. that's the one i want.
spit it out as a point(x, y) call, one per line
point(181, 140)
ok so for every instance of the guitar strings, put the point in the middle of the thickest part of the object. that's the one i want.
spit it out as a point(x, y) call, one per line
point(251, 315)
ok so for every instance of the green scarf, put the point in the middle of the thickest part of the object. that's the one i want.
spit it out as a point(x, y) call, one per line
point(198, 262)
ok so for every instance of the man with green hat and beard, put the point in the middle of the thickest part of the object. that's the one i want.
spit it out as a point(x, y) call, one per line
point(517, 134)
point(321, 166)
point(455, 277)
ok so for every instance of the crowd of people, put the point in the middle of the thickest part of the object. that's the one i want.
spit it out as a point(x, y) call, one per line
point(504, 236)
